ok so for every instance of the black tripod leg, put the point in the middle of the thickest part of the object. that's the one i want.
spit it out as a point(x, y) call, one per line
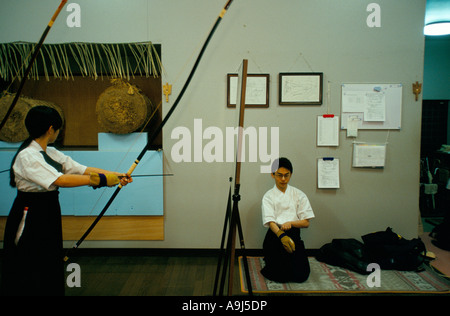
point(231, 247)
point(228, 255)
point(244, 255)
point(221, 253)
point(233, 217)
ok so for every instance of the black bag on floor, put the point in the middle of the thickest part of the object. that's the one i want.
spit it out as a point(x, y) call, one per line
point(392, 252)
point(441, 234)
point(345, 253)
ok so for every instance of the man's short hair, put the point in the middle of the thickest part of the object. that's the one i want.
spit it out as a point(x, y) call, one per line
point(281, 163)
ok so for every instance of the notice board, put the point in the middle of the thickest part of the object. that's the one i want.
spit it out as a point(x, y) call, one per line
point(374, 106)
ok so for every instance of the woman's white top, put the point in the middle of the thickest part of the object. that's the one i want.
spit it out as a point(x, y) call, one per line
point(34, 174)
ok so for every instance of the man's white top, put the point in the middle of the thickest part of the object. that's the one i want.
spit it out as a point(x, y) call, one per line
point(279, 207)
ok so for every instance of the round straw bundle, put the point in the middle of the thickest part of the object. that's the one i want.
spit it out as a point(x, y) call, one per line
point(14, 130)
point(122, 108)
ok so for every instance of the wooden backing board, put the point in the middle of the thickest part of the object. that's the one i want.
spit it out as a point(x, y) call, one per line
point(109, 227)
point(77, 98)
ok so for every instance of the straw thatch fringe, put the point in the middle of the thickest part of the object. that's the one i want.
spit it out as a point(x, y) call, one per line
point(80, 59)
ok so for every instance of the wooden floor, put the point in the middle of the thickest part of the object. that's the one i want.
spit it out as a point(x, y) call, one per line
point(148, 276)
point(146, 273)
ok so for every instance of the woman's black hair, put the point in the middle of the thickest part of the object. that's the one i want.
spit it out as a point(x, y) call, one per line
point(38, 121)
point(282, 163)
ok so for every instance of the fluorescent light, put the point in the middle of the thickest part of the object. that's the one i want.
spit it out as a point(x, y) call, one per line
point(437, 28)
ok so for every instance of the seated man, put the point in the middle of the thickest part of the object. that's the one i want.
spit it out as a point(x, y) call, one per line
point(285, 210)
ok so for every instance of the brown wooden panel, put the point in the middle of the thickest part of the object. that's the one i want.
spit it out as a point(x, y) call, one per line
point(109, 227)
point(78, 98)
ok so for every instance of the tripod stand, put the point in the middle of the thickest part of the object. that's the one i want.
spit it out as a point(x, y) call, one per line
point(232, 216)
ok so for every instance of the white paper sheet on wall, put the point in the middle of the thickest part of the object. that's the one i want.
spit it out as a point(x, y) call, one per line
point(352, 126)
point(327, 130)
point(375, 107)
point(353, 101)
point(369, 155)
point(328, 173)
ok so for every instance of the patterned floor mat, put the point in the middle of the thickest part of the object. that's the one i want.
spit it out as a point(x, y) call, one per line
point(325, 278)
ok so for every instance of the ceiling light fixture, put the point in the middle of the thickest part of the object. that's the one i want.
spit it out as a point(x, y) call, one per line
point(437, 28)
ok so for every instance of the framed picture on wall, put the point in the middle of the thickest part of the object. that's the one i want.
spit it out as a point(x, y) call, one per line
point(301, 88)
point(256, 94)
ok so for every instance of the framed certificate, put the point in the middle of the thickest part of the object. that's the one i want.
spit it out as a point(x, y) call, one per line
point(256, 93)
point(300, 88)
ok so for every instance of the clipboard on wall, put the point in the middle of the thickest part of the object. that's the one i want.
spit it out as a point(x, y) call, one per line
point(327, 130)
point(328, 173)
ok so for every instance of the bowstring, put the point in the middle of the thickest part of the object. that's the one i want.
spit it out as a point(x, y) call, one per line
point(84, 224)
point(163, 69)
point(136, 137)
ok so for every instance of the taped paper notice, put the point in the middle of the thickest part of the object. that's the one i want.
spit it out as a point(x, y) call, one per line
point(352, 126)
point(375, 107)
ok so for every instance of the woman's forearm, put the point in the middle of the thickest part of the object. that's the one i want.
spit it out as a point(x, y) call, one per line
point(72, 180)
point(89, 170)
point(76, 180)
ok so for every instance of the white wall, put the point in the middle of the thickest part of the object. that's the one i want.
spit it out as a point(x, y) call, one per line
point(326, 36)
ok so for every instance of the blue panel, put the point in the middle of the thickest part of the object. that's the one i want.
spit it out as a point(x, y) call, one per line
point(6, 145)
point(116, 142)
point(7, 194)
point(142, 197)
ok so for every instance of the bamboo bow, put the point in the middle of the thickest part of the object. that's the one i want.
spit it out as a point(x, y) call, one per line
point(30, 65)
point(159, 128)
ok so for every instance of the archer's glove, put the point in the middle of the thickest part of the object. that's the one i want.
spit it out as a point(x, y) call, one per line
point(98, 180)
point(287, 242)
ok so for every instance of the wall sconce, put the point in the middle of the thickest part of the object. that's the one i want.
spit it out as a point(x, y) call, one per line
point(437, 28)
